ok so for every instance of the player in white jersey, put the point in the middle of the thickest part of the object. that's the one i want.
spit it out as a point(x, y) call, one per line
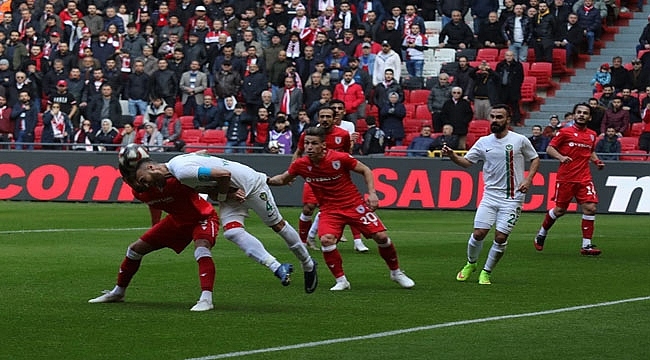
point(504, 155)
point(238, 188)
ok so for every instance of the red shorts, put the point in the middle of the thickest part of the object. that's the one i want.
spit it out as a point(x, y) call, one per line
point(308, 196)
point(360, 217)
point(176, 235)
point(584, 192)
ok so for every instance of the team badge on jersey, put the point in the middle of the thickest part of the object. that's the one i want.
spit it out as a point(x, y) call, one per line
point(338, 139)
point(336, 164)
point(361, 209)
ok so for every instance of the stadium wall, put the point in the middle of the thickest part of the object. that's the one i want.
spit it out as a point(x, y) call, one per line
point(401, 182)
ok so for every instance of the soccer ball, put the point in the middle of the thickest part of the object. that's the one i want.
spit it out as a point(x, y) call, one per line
point(131, 154)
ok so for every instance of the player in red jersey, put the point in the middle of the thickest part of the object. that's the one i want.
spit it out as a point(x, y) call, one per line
point(190, 218)
point(341, 204)
point(574, 147)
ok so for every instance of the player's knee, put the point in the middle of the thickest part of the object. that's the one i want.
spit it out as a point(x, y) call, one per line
point(308, 209)
point(201, 252)
point(589, 209)
point(501, 238)
point(328, 240)
point(558, 211)
point(380, 237)
point(279, 226)
point(480, 234)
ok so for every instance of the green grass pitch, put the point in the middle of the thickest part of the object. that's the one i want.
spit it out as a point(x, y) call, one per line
point(56, 256)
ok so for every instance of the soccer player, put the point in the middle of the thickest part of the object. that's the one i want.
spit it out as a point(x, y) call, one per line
point(341, 204)
point(238, 188)
point(504, 155)
point(574, 147)
point(337, 142)
point(190, 218)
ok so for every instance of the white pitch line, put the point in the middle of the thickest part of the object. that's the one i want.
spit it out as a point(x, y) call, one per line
point(68, 230)
point(415, 329)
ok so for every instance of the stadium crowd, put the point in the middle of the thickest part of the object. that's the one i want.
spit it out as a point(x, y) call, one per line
point(96, 75)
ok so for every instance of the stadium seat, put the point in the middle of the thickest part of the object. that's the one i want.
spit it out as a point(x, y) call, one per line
point(559, 62)
point(408, 138)
point(187, 122)
point(543, 71)
point(372, 110)
point(422, 113)
point(361, 126)
point(410, 110)
point(479, 127)
point(502, 54)
point(487, 54)
point(39, 119)
point(633, 155)
point(629, 143)
point(397, 150)
point(416, 123)
point(38, 133)
point(213, 136)
point(178, 108)
point(636, 129)
point(445, 55)
point(641, 53)
point(191, 135)
point(194, 146)
point(418, 97)
point(471, 140)
point(138, 121)
point(139, 136)
point(529, 89)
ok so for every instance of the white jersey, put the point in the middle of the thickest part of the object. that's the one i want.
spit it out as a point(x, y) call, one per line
point(347, 126)
point(504, 163)
point(186, 169)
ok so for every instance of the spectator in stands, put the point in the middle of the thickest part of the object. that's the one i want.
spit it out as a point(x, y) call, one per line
point(569, 119)
point(457, 112)
point(170, 127)
point(156, 107)
point(456, 34)
point(68, 104)
point(599, 6)
point(561, 11)
point(639, 78)
point(644, 138)
point(447, 137)
point(616, 118)
point(608, 145)
point(481, 10)
point(421, 144)
point(192, 85)
point(631, 104)
point(391, 35)
point(254, 83)
point(446, 9)
point(553, 126)
point(84, 137)
point(620, 75)
point(440, 93)
point(105, 136)
point(539, 141)
point(391, 117)
point(352, 95)
point(607, 97)
point(280, 137)
point(516, 30)
point(414, 45)
point(644, 39)
point(590, 22)
point(136, 89)
point(7, 124)
point(362, 78)
point(304, 122)
point(489, 35)
point(569, 36)
point(313, 89)
point(597, 114)
point(386, 59)
point(237, 133)
point(261, 125)
point(509, 78)
point(389, 85)
point(544, 34)
point(164, 83)
point(484, 90)
point(206, 115)
point(57, 128)
point(105, 106)
point(601, 78)
point(374, 139)
point(126, 136)
point(152, 139)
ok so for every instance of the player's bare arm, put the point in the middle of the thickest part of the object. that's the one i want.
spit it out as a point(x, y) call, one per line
point(525, 185)
point(458, 160)
point(552, 152)
point(281, 179)
point(373, 200)
point(599, 163)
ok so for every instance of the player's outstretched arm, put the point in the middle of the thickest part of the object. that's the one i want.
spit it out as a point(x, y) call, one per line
point(281, 179)
point(458, 160)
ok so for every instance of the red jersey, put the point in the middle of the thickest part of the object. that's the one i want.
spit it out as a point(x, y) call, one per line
point(338, 140)
point(178, 200)
point(578, 144)
point(330, 180)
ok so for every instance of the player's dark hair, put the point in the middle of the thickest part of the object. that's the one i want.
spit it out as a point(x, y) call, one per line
point(575, 107)
point(315, 131)
point(142, 163)
point(504, 107)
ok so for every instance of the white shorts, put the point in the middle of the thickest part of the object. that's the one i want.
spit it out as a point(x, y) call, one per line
point(262, 203)
point(502, 212)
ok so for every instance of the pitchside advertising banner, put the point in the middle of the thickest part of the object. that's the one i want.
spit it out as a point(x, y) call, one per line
point(401, 183)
